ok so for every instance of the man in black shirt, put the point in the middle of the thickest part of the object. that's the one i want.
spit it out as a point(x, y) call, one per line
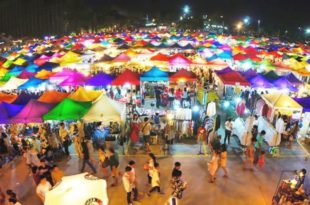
point(86, 157)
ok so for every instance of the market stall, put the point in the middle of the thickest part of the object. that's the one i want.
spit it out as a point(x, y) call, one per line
point(280, 103)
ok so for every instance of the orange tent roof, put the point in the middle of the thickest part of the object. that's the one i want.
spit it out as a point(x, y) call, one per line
point(52, 96)
point(8, 98)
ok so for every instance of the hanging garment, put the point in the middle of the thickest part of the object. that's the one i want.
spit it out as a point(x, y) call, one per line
point(211, 109)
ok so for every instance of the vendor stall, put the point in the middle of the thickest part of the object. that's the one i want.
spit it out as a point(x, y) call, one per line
point(281, 103)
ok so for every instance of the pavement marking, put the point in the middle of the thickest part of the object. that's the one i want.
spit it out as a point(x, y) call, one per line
point(304, 149)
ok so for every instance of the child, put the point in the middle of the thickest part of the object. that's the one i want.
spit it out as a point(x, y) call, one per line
point(261, 160)
point(155, 181)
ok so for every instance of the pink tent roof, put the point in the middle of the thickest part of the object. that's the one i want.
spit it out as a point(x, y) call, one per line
point(32, 112)
point(75, 79)
point(63, 75)
point(179, 59)
point(26, 75)
point(123, 57)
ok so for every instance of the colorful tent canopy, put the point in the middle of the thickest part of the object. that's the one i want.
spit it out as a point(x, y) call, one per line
point(155, 74)
point(183, 76)
point(32, 83)
point(223, 71)
point(13, 83)
point(32, 112)
point(260, 82)
point(52, 97)
point(7, 111)
point(233, 78)
point(83, 95)
point(160, 57)
point(271, 76)
point(99, 80)
point(127, 77)
point(24, 98)
point(293, 79)
point(44, 74)
point(68, 110)
point(281, 101)
point(8, 98)
point(106, 110)
point(249, 74)
point(26, 75)
point(304, 102)
point(123, 57)
point(76, 79)
point(179, 59)
point(283, 83)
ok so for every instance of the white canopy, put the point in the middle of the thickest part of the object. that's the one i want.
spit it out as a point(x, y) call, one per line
point(80, 189)
point(13, 83)
point(106, 110)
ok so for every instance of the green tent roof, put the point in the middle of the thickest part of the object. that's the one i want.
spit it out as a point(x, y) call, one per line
point(68, 110)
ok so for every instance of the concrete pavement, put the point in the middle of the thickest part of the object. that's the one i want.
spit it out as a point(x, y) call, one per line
point(241, 188)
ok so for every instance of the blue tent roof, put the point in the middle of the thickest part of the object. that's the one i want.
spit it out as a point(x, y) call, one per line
point(155, 74)
point(32, 68)
point(24, 98)
point(32, 82)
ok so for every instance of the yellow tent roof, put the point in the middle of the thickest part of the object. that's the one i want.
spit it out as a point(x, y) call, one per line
point(70, 57)
point(20, 61)
point(106, 110)
point(44, 74)
point(281, 101)
point(3, 71)
point(83, 95)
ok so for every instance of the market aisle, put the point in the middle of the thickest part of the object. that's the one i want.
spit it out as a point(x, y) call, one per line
point(242, 187)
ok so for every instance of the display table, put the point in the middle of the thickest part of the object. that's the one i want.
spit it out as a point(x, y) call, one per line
point(271, 137)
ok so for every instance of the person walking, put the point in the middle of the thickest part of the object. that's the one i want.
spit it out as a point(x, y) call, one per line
point(228, 130)
point(177, 185)
point(114, 165)
point(104, 162)
point(76, 140)
point(132, 164)
point(134, 128)
point(155, 179)
point(213, 166)
point(223, 159)
point(86, 157)
point(128, 184)
point(146, 131)
point(249, 156)
point(149, 166)
point(64, 135)
point(202, 139)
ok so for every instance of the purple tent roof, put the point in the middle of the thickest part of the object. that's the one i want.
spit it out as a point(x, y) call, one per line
point(223, 71)
point(24, 98)
point(101, 79)
point(293, 79)
point(249, 74)
point(283, 83)
point(7, 111)
point(260, 82)
point(32, 112)
point(304, 102)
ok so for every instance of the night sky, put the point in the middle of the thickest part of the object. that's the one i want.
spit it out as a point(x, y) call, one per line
point(280, 14)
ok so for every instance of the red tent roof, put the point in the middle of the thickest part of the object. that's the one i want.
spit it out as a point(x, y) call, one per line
point(127, 77)
point(160, 57)
point(183, 75)
point(232, 78)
